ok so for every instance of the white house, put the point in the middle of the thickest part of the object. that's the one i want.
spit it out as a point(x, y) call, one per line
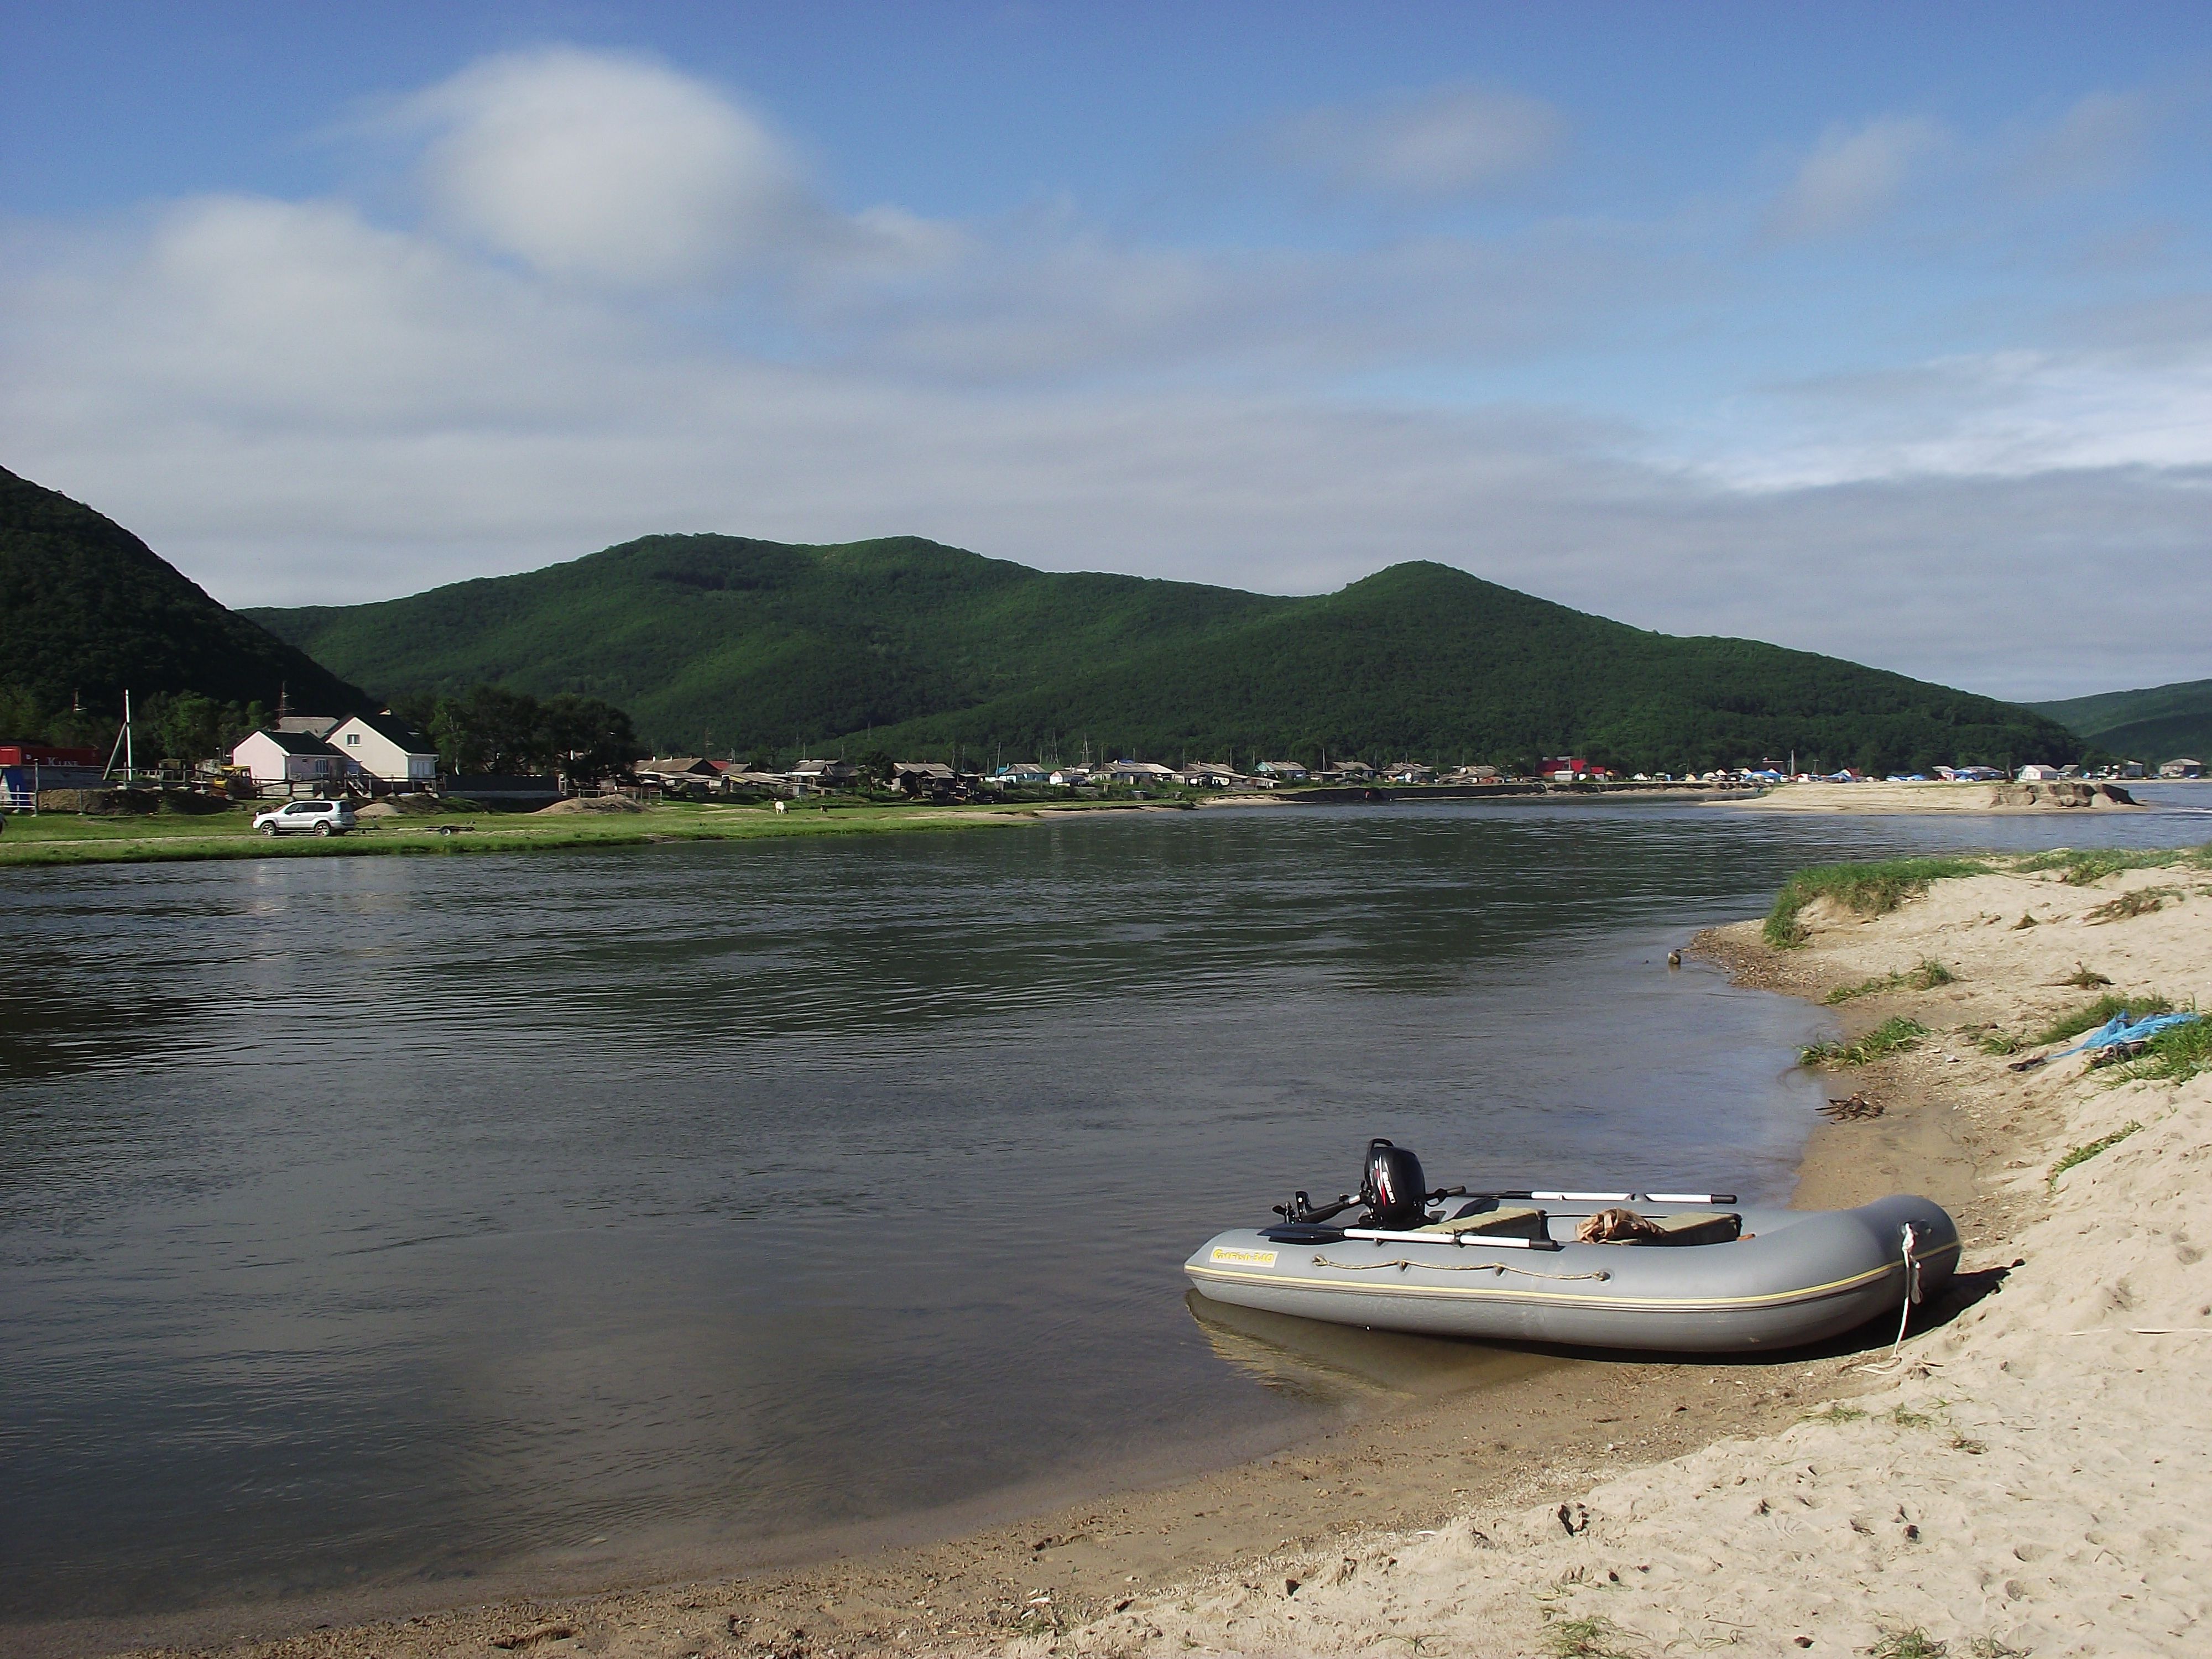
point(289, 757)
point(2183, 768)
point(386, 748)
point(2037, 775)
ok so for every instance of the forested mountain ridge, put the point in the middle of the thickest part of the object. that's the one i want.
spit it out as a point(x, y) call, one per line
point(2158, 723)
point(88, 610)
point(764, 647)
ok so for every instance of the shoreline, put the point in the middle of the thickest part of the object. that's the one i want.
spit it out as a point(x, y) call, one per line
point(1442, 1514)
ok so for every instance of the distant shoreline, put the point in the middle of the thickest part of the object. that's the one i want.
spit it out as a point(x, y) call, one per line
point(55, 840)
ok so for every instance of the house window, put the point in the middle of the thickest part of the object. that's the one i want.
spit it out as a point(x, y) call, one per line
point(353, 737)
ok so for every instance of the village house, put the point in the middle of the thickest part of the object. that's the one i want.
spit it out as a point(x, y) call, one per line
point(1208, 776)
point(1140, 773)
point(822, 774)
point(2182, 769)
point(1570, 768)
point(932, 778)
point(1283, 771)
point(286, 760)
point(1409, 772)
point(1021, 775)
point(387, 749)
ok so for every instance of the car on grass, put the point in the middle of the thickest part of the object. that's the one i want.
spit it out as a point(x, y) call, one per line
point(307, 818)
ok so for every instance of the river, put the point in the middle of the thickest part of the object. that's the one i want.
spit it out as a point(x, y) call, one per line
point(411, 1222)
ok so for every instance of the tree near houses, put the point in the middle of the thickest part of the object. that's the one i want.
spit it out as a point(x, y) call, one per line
point(491, 729)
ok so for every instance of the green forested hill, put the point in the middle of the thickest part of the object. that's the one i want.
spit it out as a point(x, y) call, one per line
point(2161, 723)
point(88, 610)
point(761, 646)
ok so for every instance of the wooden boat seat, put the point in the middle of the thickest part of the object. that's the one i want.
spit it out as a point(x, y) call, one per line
point(1699, 1227)
point(1514, 1223)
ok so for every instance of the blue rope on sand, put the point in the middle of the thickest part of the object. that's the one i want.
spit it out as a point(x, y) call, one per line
point(2117, 1030)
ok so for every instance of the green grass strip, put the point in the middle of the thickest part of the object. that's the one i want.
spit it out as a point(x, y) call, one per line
point(1926, 977)
point(2090, 1016)
point(1892, 1036)
point(2172, 1057)
point(2084, 866)
point(1871, 889)
point(2083, 1154)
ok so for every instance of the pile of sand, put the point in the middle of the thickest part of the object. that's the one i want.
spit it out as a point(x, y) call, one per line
point(592, 804)
point(399, 806)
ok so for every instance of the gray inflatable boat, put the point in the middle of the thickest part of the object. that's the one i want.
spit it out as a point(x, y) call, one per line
point(1697, 1274)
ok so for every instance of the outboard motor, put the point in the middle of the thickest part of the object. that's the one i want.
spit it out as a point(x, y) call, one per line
point(1392, 1188)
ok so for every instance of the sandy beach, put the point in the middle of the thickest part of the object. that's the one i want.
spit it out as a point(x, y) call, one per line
point(2020, 1479)
point(1902, 797)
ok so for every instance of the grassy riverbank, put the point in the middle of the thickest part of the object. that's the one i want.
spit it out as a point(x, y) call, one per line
point(64, 838)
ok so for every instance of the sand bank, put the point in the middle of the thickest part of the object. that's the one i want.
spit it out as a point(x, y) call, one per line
point(2029, 1476)
point(1901, 798)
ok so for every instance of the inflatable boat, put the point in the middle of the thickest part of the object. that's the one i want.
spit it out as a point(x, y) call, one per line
point(1675, 1272)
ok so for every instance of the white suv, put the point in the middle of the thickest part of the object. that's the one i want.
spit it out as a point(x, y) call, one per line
point(308, 817)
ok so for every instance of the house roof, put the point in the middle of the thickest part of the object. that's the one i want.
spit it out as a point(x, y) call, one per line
point(295, 742)
point(678, 763)
point(315, 726)
point(394, 731)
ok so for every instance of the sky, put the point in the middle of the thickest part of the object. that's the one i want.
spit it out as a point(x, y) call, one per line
point(1881, 329)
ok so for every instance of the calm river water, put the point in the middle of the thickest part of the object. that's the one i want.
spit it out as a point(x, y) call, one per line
point(374, 1222)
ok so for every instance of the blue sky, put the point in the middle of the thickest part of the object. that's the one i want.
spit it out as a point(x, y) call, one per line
point(1882, 330)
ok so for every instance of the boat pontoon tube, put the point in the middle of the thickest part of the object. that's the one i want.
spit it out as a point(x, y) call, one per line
point(1793, 1277)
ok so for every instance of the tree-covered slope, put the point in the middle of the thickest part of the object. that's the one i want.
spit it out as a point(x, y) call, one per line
point(2160, 723)
point(1426, 660)
point(760, 646)
point(761, 643)
point(88, 610)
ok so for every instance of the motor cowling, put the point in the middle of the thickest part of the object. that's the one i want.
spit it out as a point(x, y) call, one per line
point(1392, 1188)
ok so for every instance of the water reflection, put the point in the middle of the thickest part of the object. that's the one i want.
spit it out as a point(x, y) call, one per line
point(1338, 1365)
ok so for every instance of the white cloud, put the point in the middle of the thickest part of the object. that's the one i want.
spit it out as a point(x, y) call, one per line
point(1450, 142)
point(1852, 176)
point(620, 171)
point(2011, 414)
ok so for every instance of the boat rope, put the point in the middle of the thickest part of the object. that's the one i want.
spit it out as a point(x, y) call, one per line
point(1453, 1267)
point(1905, 1313)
